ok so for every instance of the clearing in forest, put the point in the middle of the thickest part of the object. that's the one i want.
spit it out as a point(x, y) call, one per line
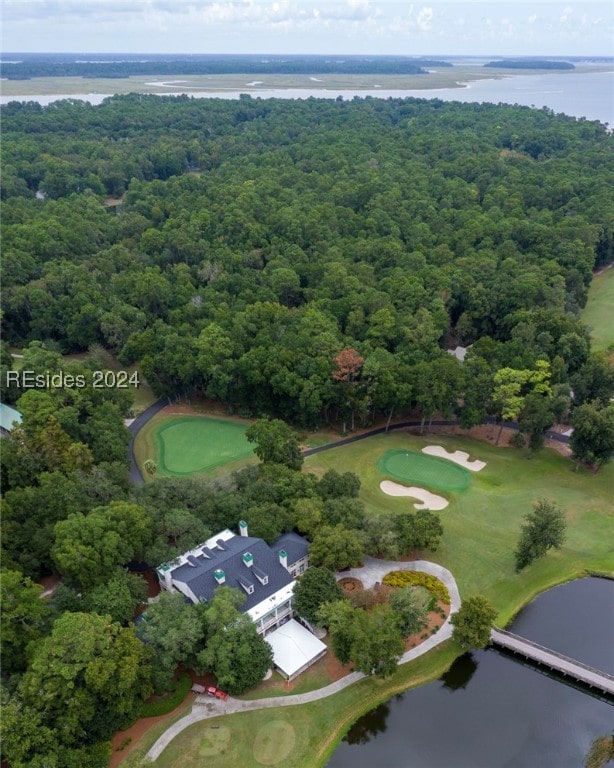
point(189, 444)
point(425, 471)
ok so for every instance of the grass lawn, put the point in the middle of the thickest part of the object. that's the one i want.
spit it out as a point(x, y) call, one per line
point(189, 444)
point(599, 310)
point(427, 471)
point(301, 737)
point(482, 524)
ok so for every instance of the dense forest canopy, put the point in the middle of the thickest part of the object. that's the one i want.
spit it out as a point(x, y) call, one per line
point(24, 66)
point(530, 64)
point(308, 259)
point(258, 239)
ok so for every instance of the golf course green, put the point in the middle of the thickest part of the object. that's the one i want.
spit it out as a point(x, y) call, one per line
point(423, 470)
point(189, 444)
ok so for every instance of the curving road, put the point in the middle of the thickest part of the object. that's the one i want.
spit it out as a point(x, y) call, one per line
point(372, 571)
point(136, 477)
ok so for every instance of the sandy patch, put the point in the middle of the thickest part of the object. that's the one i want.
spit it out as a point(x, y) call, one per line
point(428, 500)
point(458, 457)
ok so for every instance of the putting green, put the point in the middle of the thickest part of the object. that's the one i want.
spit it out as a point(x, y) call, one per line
point(423, 470)
point(189, 444)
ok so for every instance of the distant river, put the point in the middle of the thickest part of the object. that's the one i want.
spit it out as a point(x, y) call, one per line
point(492, 711)
point(579, 94)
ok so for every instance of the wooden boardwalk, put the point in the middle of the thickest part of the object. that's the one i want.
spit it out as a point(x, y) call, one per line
point(583, 673)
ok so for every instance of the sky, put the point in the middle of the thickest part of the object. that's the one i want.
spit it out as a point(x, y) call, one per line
point(395, 27)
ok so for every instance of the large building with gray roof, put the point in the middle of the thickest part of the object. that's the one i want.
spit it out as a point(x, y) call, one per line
point(264, 573)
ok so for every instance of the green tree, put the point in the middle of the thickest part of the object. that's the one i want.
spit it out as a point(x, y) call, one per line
point(335, 485)
point(592, 439)
point(543, 529)
point(472, 622)
point(336, 548)
point(535, 418)
point(594, 381)
point(119, 597)
point(422, 530)
point(86, 679)
point(315, 587)
point(236, 654)
point(409, 615)
point(338, 617)
point(89, 547)
point(25, 618)
point(175, 531)
point(268, 521)
point(345, 511)
point(512, 386)
point(381, 536)
point(307, 514)
point(377, 643)
point(176, 633)
point(275, 443)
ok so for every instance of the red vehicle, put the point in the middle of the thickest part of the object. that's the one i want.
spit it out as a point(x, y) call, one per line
point(213, 691)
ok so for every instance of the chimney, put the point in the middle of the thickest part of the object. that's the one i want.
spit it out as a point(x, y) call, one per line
point(243, 528)
point(248, 559)
point(220, 576)
point(283, 558)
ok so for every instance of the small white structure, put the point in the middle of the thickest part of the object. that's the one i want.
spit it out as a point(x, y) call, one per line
point(294, 649)
point(459, 352)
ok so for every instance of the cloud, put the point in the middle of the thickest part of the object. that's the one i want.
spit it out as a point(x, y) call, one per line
point(331, 26)
point(425, 19)
point(564, 17)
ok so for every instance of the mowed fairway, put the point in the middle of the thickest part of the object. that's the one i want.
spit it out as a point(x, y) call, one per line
point(599, 310)
point(482, 523)
point(186, 445)
point(426, 471)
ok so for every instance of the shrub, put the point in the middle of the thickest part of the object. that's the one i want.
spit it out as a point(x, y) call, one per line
point(177, 693)
point(368, 598)
point(124, 744)
point(517, 440)
point(418, 579)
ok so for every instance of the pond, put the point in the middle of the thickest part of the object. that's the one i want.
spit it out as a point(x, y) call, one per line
point(492, 711)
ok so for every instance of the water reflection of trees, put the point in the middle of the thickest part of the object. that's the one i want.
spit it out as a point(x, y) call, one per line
point(460, 673)
point(369, 726)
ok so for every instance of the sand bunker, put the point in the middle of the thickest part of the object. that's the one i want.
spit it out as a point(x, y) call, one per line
point(429, 500)
point(458, 457)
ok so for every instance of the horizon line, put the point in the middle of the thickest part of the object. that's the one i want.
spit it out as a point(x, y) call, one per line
point(332, 53)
